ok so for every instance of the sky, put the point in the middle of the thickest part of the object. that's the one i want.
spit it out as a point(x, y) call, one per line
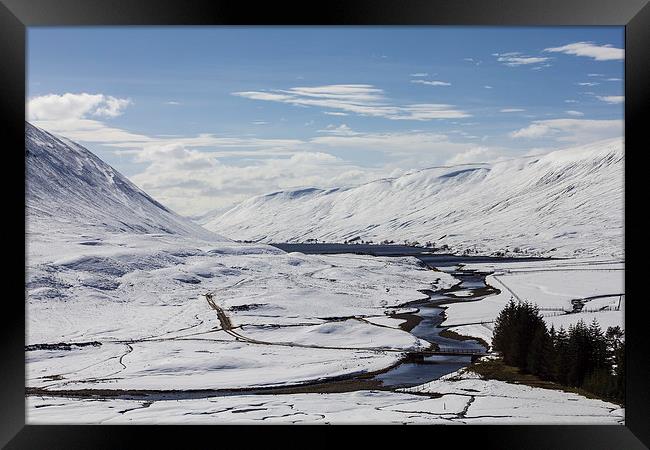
point(204, 117)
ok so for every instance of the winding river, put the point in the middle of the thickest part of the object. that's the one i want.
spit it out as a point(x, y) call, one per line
point(426, 321)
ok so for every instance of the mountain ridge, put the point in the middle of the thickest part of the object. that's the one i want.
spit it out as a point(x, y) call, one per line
point(564, 203)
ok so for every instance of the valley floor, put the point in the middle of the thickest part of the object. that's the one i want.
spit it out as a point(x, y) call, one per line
point(291, 319)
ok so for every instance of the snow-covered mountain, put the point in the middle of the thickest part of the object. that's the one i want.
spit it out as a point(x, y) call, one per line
point(68, 187)
point(564, 203)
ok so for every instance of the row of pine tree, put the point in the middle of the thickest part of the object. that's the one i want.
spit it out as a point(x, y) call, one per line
point(582, 356)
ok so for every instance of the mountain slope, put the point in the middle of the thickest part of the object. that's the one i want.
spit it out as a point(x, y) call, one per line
point(565, 203)
point(68, 187)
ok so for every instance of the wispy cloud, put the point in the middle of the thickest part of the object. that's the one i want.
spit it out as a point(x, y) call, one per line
point(420, 74)
point(416, 144)
point(172, 103)
point(574, 113)
point(360, 99)
point(571, 130)
point(487, 87)
point(588, 49)
point(613, 99)
point(588, 83)
point(509, 110)
point(431, 83)
point(340, 130)
point(515, 59)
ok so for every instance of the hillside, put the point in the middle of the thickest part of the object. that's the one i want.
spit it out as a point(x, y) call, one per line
point(564, 203)
point(68, 187)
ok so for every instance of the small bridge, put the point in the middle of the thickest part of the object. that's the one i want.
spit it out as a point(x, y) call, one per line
point(474, 353)
point(459, 351)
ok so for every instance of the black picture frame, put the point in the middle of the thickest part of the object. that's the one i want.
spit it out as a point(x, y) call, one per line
point(16, 15)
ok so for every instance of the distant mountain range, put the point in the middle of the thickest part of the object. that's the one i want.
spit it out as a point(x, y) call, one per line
point(564, 203)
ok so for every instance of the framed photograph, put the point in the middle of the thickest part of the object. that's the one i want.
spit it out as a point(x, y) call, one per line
point(344, 213)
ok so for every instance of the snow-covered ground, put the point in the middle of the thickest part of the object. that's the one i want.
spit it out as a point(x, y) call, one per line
point(458, 398)
point(551, 285)
point(565, 203)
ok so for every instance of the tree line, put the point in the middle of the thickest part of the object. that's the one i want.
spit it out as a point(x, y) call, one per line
point(583, 356)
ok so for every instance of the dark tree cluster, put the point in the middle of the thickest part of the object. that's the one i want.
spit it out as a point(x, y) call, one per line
point(582, 356)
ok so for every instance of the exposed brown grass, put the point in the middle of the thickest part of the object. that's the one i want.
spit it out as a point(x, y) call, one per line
point(496, 369)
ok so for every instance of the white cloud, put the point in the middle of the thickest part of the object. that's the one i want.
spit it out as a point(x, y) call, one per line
point(487, 87)
point(515, 59)
point(268, 96)
point(591, 50)
point(575, 113)
point(595, 75)
point(509, 110)
point(111, 107)
point(570, 101)
point(420, 74)
point(173, 179)
point(334, 113)
point(473, 155)
point(176, 172)
point(588, 83)
point(172, 103)
point(534, 130)
point(75, 106)
point(613, 99)
point(75, 116)
point(410, 149)
point(360, 99)
point(613, 79)
point(341, 130)
point(571, 130)
point(431, 83)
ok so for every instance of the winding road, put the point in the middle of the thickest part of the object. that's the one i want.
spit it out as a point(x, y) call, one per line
point(226, 326)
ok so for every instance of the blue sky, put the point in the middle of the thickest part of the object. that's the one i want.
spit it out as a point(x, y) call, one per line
point(202, 117)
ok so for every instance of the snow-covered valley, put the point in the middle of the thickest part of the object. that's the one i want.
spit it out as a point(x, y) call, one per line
point(116, 302)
